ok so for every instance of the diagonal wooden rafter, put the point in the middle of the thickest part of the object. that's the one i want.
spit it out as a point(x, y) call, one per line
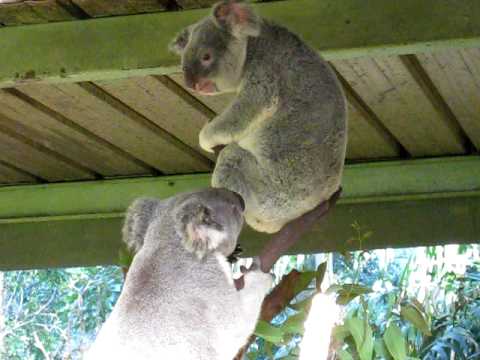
point(137, 45)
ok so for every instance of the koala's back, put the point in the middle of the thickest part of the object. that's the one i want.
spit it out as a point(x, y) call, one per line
point(300, 143)
point(173, 307)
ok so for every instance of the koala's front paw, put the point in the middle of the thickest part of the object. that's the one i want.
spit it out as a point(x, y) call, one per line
point(209, 138)
point(261, 281)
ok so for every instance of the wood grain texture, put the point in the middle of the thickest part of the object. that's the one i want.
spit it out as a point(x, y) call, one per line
point(41, 124)
point(456, 75)
point(11, 175)
point(149, 97)
point(365, 141)
point(38, 161)
point(389, 89)
point(136, 136)
point(99, 8)
point(33, 12)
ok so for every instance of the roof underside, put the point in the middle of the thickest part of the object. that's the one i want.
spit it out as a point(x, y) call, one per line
point(407, 106)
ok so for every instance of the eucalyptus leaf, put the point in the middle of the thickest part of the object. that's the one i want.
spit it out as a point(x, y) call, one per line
point(412, 314)
point(362, 335)
point(294, 324)
point(395, 342)
point(381, 350)
point(348, 292)
point(303, 281)
point(344, 355)
point(269, 332)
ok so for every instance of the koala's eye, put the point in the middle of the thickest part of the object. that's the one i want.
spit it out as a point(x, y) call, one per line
point(206, 58)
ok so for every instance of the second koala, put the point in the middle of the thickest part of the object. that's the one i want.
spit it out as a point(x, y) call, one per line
point(285, 132)
point(179, 300)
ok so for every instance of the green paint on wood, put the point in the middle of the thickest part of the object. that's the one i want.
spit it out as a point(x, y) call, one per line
point(404, 203)
point(136, 45)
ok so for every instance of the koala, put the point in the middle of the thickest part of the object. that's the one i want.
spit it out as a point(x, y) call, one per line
point(283, 138)
point(179, 300)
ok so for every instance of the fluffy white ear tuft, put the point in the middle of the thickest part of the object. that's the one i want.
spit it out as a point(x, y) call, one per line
point(177, 45)
point(238, 18)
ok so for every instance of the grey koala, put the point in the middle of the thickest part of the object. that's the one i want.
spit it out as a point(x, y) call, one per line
point(179, 300)
point(284, 135)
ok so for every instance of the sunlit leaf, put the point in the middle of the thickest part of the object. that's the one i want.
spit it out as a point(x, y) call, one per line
point(362, 335)
point(344, 355)
point(269, 332)
point(303, 281)
point(348, 292)
point(303, 305)
point(340, 332)
point(294, 324)
point(412, 314)
point(381, 350)
point(395, 342)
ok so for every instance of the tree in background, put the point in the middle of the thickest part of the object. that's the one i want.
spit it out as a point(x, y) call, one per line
point(54, 314)
point(422, 303)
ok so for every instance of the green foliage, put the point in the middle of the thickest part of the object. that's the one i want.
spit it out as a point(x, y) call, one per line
point(54, 314)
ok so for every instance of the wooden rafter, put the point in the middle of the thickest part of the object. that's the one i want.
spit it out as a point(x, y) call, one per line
point(123, 46)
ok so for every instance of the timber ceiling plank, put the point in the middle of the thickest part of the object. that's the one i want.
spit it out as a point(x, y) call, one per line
point(94, 111)
point(33, 120)
point(37, 161)
point(151, 98)
point(193, 4)
point(456, 74)
point(99, 8)
point(32, 12)
point(11, 175)
point(365, 141)
point(392, 93)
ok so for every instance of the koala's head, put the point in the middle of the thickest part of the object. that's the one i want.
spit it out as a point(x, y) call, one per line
point(210, 220)
point(213, 50)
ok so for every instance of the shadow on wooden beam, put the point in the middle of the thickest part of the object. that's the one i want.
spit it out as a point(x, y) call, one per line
point(403, 204)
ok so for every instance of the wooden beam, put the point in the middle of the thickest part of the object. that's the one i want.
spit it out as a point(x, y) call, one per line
point(403, 203)
point(137, 45)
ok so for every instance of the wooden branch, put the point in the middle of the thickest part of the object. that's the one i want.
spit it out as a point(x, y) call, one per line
point(292, 232)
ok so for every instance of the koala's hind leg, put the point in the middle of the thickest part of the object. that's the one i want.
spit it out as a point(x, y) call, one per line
point(238, 170)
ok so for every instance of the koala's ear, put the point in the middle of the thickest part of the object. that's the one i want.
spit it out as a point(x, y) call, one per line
point(178, 44)
point(238, 18)
point(199, 233)
point(137, 220)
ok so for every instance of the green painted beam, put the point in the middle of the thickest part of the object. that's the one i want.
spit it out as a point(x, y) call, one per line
point(136, 45)
point(403, 203)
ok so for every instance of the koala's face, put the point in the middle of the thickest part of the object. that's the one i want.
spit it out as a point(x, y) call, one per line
point(210, 219)
point(213, 59)
point(214, 49)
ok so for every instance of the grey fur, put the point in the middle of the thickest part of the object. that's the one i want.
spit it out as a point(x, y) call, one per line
point(286, 129)
point(178, 300)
